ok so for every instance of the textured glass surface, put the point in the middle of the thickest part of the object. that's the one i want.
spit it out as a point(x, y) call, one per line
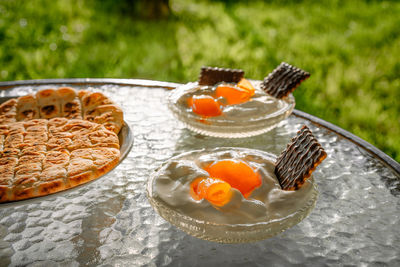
point(110, 221)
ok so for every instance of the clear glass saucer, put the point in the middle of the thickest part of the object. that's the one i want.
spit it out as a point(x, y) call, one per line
point(213, 226)
point(257, 116)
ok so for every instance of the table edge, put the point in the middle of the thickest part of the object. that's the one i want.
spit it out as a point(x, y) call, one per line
point(351, 137)
point(394, 165)
point(96, 81)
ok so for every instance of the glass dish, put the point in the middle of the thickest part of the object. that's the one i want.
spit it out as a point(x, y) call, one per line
point(167, 185)
point(257, 116)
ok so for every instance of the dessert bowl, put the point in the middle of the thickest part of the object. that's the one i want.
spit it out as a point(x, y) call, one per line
point(260, 114)
point(265, 212)
point(222, 103)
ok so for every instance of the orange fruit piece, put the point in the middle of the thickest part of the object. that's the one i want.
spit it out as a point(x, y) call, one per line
point(246, 85)
point(196, 192)
point(205, 105)
point(237, 173)
point(216, 191)
point(233, 95)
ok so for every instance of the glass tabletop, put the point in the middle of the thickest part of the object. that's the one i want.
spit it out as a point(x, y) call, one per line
point(110, 221)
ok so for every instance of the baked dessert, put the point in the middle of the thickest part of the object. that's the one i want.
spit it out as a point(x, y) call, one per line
point(55, 140)
point(225, 104)
point(64, 102)
point(234, 195)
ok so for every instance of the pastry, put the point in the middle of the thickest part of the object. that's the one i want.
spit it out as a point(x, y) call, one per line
point(64, 102)
point(55, 140)
point(40, 156)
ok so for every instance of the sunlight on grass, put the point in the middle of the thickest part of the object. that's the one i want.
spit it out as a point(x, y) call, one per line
point(351, 48)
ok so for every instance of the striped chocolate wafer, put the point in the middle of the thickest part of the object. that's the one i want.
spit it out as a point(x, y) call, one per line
point(299, 160)
point(283, 80)
point(212, 76)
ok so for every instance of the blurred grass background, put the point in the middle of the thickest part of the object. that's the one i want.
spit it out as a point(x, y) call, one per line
point(351, 49)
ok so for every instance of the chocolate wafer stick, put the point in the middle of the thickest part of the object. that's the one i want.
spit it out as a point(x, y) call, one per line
point(300, 158)
point(212, 76)
point(283, 80)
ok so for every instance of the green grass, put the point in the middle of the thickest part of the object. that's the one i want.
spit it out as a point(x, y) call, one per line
point(351, 48)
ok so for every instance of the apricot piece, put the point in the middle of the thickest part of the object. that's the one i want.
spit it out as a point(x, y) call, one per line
point(195, 192)
point(233, 95)
point(219, 192)
point(237, 173)
point(246, 85)
point(216, 191)
point(205, 105)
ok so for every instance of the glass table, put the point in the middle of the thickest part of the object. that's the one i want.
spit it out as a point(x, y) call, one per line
point(110, 221)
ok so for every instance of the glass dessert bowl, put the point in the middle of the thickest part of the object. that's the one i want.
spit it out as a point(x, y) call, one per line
point(201, 193)
point(225, 104)
point(208, 110)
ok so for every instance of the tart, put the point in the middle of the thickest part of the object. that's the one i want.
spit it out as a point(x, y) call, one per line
point(63, 102)
point(55, 140)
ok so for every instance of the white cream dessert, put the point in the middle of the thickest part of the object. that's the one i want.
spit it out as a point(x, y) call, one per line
point(266, 211)
point(254, 115)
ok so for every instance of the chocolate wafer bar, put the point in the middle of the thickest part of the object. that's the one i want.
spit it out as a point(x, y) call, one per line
point(300, 158)
point(212, 76)
point(283, 80)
